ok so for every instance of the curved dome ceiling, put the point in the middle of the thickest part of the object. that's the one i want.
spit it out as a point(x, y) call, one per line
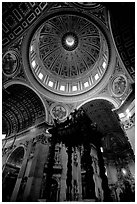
point(68, 54)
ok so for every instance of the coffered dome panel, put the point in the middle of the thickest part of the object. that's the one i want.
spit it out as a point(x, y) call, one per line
point(68, 54)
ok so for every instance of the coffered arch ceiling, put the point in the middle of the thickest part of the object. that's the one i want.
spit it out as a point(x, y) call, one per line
point(18, 17)
point(21, 109)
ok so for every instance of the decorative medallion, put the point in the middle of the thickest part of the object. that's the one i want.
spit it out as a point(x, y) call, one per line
point(119, 85)
point(10, 63)
point(68, 54)
point(59, 112)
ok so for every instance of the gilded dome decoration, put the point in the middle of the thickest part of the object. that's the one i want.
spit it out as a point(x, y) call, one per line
point(68, 54)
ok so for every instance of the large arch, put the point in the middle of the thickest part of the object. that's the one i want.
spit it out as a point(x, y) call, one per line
point(101, 112)
point(114, 103)
point(11, 82)
point(22, 107)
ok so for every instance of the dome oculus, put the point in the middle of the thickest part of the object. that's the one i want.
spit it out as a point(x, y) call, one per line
point(70, 41)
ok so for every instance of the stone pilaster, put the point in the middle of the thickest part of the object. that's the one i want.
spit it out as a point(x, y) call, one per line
point(34, 181)
point(21, 173)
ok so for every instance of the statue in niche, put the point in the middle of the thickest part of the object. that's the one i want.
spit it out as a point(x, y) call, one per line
point(119, 85)
point(9, 63)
